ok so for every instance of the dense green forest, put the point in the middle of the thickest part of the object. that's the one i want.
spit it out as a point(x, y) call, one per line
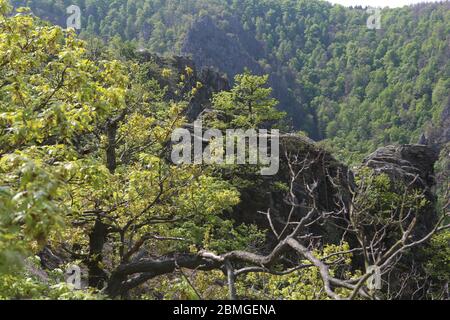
point(358, 88)
point(93, 207)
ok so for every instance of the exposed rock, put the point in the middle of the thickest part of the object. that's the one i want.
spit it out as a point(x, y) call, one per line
point(438, 137)
point(230, 51)
point(50, 260)
point(404, 163)
point(211, 80)
point(333, 180)
point(410, 165)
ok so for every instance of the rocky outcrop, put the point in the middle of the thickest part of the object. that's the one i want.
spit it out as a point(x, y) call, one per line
point(224, 45)
point(405, 163)
point(410, 165)
point(330, 179)
point(230, 50)
point(211, 80)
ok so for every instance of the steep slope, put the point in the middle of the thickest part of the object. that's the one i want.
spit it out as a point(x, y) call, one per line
point(358, 88)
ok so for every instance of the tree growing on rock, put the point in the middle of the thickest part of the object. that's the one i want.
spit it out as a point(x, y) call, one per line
point(248, 105)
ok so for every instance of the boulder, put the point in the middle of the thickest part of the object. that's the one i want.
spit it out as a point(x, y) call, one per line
point(404, 163)
point(332, 181)
point(410, 165)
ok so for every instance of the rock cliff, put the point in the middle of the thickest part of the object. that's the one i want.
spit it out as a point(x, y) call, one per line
point(410, 165)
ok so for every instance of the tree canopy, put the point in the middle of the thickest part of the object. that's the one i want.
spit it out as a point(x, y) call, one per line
point(86, 177)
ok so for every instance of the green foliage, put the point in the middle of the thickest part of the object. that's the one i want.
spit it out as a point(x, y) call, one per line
point(192, 286)
point(25, 284)
point(248, 105)
point(84, 140)
point(49, 94)
point(379, 199)
point(303, 284)
point(439, 252)
point(356, 87)
point(85, 130)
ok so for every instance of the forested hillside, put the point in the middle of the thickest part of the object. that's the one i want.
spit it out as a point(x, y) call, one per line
point(96, 204)
point(358, 88)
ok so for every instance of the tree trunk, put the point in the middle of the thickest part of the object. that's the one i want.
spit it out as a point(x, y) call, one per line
point(97, 239)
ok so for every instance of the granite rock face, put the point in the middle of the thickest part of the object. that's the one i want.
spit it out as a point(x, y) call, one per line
point(211, 80)
point(330, 179)
point(225, 46)
point(404, 163)
point(410, 165)
point(231, 50)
